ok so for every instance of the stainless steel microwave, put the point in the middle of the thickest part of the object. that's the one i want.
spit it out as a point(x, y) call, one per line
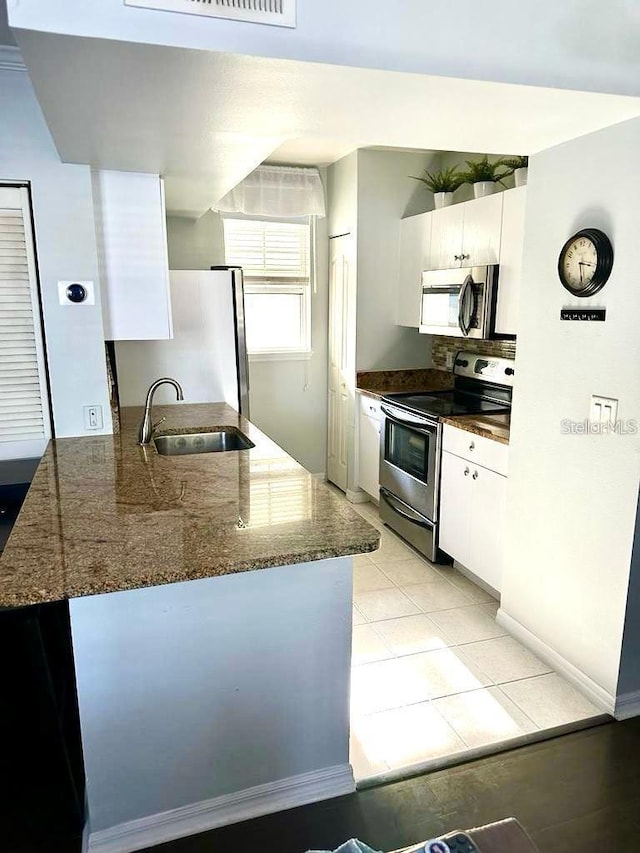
point(459, 302)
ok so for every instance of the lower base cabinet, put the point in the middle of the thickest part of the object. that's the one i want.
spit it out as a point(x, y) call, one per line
point(472, 517)
point(369, 446)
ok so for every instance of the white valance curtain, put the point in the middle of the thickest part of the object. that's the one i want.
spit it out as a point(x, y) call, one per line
point(277, 192)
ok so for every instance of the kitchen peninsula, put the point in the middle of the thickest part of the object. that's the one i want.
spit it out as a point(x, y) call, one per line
point(208, 691)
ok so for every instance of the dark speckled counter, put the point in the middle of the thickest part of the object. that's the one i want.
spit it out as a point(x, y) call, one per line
point(495, 427)
point(105, 515)
point(377, 383)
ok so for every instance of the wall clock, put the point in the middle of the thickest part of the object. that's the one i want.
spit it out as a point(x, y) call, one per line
point(585, 262)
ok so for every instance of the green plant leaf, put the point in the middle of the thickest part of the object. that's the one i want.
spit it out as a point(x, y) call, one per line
point(444, 181)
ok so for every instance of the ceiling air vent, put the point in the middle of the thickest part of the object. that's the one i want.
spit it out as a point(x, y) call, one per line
point(278, 13)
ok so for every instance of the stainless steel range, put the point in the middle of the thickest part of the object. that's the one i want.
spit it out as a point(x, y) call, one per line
point(411, 438)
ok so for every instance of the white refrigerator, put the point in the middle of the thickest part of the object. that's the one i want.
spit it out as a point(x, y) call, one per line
point(207, 354)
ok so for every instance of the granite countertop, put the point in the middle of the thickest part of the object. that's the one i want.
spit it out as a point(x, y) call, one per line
point(495, 427)
point(378, 383)
point(104, 515)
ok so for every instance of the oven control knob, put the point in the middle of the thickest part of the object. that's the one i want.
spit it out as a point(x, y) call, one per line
point(509, 371)
point(462, 362)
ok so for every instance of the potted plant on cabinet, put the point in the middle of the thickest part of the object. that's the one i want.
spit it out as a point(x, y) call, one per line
point(518, 167)
point(484, 175)
point(442, 184)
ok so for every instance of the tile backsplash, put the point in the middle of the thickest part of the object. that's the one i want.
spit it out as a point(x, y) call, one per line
point(444, 349)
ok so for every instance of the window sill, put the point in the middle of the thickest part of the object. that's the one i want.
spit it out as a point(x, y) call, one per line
point(291, 355)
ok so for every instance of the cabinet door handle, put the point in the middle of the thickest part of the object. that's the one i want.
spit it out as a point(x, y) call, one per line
point(472, 446)
point(475, 475)
point(466, 472)
point(458, 257)
point(464, 257)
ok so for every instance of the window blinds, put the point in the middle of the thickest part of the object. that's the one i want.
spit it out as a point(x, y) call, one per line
point(24, 425)
point(272, 251)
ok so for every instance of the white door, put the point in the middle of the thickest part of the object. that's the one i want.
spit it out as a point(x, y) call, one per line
point(487, 525)
point(456, 494)
point(341, 358)
point(446, 237)
point(481, 230)
point(25, 428)
point(369, 453)
point(415, 243)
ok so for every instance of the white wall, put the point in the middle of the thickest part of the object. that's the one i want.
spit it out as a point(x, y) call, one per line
point(629, 675)
point(342, 196)
point(386, 193)
point(572, 498)
point(491, 41)
point(194, 690)
point(288, 398)
point(66, 249)
point(195, 244)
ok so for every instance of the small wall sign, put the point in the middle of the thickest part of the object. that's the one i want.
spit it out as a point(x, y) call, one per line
point(588, 315)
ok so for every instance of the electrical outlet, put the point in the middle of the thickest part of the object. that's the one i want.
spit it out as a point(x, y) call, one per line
point(93, 417)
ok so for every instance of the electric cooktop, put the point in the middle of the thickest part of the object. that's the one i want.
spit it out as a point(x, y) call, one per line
point(441, 404)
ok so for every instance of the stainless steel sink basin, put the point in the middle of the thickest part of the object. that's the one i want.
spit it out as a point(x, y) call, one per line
point(220, 441)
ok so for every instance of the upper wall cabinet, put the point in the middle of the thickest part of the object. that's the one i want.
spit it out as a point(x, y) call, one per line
point(132, 247)
point(510, 261)
point(415, 243)
point(483, 231)
point(466, 235)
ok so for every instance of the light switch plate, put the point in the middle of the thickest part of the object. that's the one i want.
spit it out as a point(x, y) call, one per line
point(603, 410)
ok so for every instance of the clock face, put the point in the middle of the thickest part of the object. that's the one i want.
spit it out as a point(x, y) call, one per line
point(585, 262)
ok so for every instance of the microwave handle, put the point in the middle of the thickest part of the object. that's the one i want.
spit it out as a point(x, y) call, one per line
point(467, 287)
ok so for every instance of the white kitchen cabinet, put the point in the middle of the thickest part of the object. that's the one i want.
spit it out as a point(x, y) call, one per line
point(472, 511)
point(446, 237)
point(481, 230)
point(415, 243)
point(466, 234)
point(455, 507)
point(369, 446)
point(132, 247)
point(508, 305)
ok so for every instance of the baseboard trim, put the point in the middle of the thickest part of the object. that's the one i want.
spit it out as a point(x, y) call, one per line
point(597, 694)
point(628, 705)
point(357, 497)
point(221, 811)
point(322, 476)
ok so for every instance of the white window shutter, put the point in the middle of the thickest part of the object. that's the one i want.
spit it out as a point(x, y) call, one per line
point(24, 417)
point(275, 251)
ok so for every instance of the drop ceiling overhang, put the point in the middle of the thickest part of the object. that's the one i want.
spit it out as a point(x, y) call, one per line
point(204, 119)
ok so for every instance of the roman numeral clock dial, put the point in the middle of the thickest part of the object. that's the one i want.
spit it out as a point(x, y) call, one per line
point(585, 262)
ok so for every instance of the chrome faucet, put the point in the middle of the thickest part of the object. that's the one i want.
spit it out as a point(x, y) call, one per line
point(145, 433)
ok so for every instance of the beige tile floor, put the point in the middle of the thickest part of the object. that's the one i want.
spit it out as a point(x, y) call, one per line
point(433, 674)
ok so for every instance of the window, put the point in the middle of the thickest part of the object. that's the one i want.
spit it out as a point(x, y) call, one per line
point(24, 415)
point(276, 259)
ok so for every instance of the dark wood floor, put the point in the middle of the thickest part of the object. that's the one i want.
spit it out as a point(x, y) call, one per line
point(577, 792)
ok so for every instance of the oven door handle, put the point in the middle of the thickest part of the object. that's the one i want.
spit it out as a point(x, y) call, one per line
point(392, 502)
point(409, 420)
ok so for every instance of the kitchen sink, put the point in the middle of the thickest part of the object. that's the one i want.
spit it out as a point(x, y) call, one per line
point(220, 441)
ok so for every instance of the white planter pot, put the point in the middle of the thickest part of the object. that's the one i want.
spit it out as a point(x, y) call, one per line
point(442, 200)
point(483, 188)
point(520, 177)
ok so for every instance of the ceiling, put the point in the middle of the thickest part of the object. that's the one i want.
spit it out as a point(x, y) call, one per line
point(205, 120)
